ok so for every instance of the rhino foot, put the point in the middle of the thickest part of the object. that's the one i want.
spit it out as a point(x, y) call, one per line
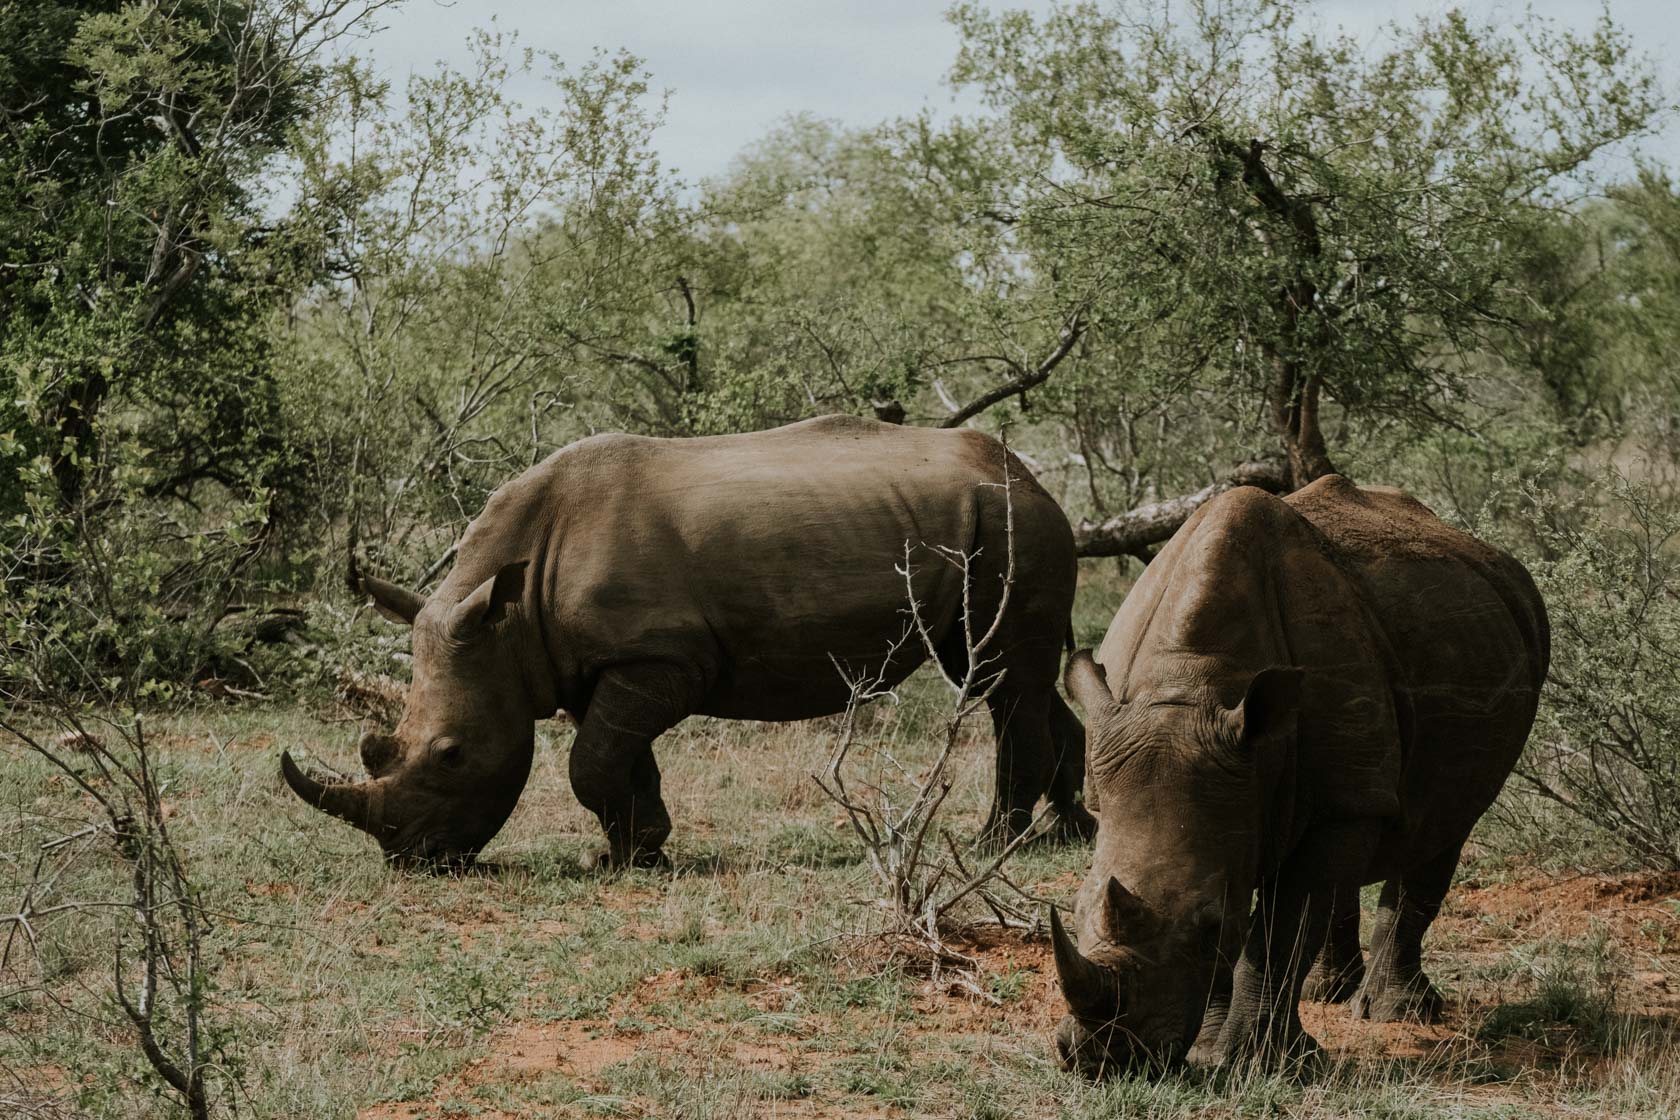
point(1268, 1046)
point(1398, 1001)
point(1252, 1035)
point(1206, 1053)
point(1073, 826)
point(1325, 984)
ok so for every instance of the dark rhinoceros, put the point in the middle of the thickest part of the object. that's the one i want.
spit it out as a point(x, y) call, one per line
point(631, 582)
point(1299, 696)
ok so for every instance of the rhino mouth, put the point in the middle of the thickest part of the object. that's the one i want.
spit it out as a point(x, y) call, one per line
point(1111, 1050)
point(434, 855)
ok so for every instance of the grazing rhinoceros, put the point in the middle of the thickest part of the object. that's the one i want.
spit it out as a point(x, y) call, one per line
point(631, 582)
point(1299, 696)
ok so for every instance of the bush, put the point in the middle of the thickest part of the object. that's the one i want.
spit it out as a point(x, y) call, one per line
point(1606, 747)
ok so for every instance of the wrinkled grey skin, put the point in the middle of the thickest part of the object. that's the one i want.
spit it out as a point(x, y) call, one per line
point(631, 582)
point(1300, 696)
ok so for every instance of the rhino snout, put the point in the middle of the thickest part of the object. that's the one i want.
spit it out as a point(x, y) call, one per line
point(1111, 1049)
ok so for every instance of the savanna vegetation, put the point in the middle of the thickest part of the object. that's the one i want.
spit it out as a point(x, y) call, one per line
point(262, 312)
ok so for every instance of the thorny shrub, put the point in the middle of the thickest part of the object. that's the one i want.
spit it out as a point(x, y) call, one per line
point(1606, 745)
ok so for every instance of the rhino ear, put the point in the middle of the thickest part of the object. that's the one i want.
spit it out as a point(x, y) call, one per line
point(488, 603)
point(1086, 682)
point(398, 604)
point(1271, 707)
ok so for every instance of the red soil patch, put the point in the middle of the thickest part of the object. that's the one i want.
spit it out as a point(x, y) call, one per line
point(671, 985)
point(272, 890)
point(1629, 908)
point(1340, 1033)
point(522, 1053)
point(526, 1051)
point(1010, 994)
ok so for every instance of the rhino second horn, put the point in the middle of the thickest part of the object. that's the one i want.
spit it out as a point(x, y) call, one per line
point(1090, 989)
point(1123, 911)
point(346, 801)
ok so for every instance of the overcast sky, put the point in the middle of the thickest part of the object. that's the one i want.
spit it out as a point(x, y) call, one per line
point(736, 67)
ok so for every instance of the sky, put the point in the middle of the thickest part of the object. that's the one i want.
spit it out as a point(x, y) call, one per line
point(734, 68)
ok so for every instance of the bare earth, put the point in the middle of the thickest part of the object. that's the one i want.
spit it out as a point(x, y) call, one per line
point(748, 982)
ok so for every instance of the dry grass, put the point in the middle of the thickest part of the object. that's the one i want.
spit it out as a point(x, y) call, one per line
point(737, 985)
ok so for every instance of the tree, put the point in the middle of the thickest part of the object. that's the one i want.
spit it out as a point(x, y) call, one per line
point(141, 265)
point(1286, 217)
point(492, 274)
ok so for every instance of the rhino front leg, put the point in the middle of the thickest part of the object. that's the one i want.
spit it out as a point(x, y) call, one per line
point(1395, 986)
point(1290, 922)
point(1205, 1051)
point(1341, 966)
point(612, 768)
point(1263, 1023)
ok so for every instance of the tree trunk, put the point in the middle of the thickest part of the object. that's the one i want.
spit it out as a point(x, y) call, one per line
point(1294, 408)
point(74, 425)
point(1131, 534)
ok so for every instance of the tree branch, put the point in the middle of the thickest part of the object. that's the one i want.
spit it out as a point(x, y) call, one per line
point(1131, 533)
point(1024, 380)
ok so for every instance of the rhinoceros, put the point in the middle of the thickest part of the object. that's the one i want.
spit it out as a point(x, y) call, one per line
point(1298, 697)
point(632, 581)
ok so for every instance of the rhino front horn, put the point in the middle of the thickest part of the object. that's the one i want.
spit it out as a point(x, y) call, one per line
point(1090, 989)
point(347, 801)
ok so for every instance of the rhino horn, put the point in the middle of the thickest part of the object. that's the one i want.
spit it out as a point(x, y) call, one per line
point(1123, 912)
point(398, 604)
point(1092, 991)
point(348, 801)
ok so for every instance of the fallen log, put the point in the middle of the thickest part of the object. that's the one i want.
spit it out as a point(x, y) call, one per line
point(1131, 533)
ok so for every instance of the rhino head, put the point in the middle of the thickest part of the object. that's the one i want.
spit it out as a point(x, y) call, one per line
point(1164, 911)
point(440, 787)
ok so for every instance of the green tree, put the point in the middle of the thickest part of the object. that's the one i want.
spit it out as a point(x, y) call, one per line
point(141, 447)
point(500, 279)
point(1285, 216)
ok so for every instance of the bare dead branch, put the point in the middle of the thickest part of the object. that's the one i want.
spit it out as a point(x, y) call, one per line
point(1131, 533)
point(1024, 379)
point(925, 887)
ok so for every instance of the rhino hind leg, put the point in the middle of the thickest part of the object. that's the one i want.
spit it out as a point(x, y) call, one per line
point(1021, 714)
point(1067, 738)
point(1340, 968)
point(612, 768)
point(1021, 728)
point(1025, 763)
point(1395, 986)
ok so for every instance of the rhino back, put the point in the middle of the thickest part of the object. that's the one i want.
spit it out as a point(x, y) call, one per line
point(759, 557)
point(1430, 581)
point(1466, 632)
point(1244, 586)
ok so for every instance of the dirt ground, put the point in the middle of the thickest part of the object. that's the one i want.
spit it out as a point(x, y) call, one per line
point(748, 980)
point(1632, 920)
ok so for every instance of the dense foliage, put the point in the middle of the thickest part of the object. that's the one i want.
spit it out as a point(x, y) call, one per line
point(259, 310)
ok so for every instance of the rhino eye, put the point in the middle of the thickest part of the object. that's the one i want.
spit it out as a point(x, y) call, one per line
point(447, 752)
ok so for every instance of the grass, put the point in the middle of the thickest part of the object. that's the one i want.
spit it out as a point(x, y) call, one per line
point(732, 986)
